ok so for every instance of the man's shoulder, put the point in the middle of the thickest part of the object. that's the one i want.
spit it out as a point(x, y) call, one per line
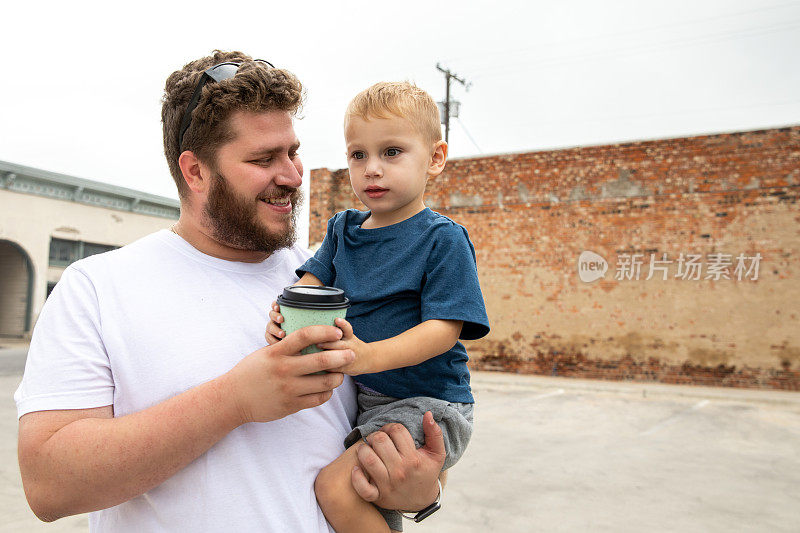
point(294, 254)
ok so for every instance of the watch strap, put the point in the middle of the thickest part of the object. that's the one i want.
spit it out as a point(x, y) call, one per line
point(429, 510)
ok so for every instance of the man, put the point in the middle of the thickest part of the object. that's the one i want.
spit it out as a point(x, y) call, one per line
point(149, 396)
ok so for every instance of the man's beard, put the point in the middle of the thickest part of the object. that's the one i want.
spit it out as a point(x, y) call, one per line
point(234, 220)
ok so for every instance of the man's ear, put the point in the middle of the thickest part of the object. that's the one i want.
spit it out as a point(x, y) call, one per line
point(438, 159)
point(195, 173)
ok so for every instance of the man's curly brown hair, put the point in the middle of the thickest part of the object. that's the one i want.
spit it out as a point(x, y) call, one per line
point(255, 87)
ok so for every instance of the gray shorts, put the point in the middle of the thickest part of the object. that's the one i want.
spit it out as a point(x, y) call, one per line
point(376, 410)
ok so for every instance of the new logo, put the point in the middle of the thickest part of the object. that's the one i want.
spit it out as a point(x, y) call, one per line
point(591, 266)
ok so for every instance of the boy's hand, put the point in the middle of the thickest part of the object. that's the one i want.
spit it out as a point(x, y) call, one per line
point(363, 351)
point(274, 332)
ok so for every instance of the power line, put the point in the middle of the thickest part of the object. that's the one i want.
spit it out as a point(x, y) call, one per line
point(514, 67)
point(647, 30)
point(469, 136)
point(654, 115)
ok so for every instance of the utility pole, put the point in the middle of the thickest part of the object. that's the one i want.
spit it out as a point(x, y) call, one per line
point(448, 112)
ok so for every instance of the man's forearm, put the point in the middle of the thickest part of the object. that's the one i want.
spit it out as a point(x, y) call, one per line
point(96, 463)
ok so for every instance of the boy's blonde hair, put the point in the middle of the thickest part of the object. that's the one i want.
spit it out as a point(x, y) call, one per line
point(401, 99)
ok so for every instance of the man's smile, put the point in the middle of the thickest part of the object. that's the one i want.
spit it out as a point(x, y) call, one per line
point(283, 200)
point(281, 204)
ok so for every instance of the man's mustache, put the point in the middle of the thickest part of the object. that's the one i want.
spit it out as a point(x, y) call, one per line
point(281, 191)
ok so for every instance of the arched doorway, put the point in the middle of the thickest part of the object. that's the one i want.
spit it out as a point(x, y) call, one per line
point(16, 290)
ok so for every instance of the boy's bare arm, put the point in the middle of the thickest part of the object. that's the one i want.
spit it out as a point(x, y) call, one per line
point(309, 279)
point(413, 346)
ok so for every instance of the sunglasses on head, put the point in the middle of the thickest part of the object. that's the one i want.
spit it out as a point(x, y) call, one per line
point(217, 73)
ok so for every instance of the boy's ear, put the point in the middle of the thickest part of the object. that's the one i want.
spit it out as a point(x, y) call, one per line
point(438, 159)
point(194, 172)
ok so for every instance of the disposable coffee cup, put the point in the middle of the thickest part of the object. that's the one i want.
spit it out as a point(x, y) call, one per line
point(311, 305)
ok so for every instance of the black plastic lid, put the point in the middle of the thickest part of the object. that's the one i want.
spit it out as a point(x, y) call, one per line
point(313, 297)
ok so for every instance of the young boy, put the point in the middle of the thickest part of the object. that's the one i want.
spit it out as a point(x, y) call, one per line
point(412, 281)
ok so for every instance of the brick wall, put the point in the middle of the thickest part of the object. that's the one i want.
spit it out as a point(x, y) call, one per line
point(724, 199)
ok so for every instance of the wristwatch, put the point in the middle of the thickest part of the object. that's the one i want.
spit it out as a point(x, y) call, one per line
point(429, 510)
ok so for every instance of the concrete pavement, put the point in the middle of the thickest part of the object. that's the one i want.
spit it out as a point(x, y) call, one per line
point(555, 454)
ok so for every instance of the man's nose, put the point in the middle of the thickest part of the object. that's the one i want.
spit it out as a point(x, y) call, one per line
point(290, 174)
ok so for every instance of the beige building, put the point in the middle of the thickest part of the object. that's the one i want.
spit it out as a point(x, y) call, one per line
point(49, 220)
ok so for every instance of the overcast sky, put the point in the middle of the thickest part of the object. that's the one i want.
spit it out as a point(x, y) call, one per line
point(82, 81)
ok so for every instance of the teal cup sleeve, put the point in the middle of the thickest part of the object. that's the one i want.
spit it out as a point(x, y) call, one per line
point(295, 318)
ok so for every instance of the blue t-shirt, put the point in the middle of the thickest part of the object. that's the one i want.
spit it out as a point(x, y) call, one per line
point(397, 277)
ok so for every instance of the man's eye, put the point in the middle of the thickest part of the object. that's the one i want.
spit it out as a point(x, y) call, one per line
point(391, 152)
point(265, 161)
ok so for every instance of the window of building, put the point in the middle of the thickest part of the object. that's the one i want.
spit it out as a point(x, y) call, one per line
point(92, 249)
point(64, 252)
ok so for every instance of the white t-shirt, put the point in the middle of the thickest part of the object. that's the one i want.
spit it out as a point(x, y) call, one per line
point(141, 324)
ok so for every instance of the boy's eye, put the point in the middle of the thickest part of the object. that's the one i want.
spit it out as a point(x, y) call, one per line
point(391, 152)
point(358, 155)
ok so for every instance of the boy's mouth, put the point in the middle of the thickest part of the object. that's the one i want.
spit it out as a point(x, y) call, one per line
point(373, 191)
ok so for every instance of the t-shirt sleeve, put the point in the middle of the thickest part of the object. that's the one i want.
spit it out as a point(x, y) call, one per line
point(67, 365)
point(321, 264)
point(451, 290)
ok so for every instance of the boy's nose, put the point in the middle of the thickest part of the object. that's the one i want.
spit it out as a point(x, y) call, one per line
point(373, 170)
